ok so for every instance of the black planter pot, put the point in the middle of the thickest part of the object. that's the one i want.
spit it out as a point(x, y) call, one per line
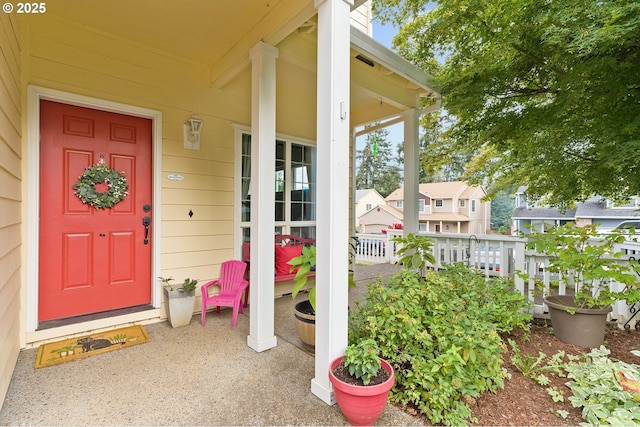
point(584, 328)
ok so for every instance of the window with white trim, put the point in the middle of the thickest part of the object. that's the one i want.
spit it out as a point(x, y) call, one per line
point(294, 186)
point(473, 205)
point(462, 203)
point(438, 203)
point(399, 204)
point(421, 205)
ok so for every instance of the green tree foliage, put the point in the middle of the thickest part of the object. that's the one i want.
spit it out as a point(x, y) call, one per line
point(501, 211)
point(543, 93)
point(376, 170)
point(437, 163)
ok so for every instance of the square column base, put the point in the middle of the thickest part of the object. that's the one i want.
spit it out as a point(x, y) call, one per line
point(260, 346)
point(325, 394)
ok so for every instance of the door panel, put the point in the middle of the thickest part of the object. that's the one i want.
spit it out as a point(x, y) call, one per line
point(92, 260)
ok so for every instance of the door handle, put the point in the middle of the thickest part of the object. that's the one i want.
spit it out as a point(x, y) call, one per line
point(146, 221)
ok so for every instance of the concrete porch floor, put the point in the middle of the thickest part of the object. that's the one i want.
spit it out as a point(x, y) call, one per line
point(186, 376)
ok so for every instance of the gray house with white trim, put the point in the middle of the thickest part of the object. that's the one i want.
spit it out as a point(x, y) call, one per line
point(596, 210)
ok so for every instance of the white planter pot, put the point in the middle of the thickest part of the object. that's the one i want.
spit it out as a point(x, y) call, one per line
point(179, 306)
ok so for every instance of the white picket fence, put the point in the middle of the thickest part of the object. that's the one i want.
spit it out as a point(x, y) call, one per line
point(498, 255)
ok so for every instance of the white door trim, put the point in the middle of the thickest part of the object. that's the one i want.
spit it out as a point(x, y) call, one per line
point(35, 95)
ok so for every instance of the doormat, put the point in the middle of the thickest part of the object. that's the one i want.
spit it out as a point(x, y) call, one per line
point(58, 352)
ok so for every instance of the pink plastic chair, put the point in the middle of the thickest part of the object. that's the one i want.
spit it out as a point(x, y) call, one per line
point(232, 285)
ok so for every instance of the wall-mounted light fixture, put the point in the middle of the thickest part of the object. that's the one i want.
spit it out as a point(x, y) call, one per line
point(192, 128)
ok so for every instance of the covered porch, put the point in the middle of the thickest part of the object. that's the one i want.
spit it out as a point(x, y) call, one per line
point(301, 73)
point(187, 376)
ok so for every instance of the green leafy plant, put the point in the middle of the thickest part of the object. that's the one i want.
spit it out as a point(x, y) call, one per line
point(529, 366)
point(362, 359)
point(440, 333)
point(306, 261)
point(599, 393)
point(589, 261)
point(167, 281)
point(187, 286)
point(415, 251)
point(534, 367)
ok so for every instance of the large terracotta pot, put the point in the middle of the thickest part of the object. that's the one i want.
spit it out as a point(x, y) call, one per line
point(361, 405)
point(306, 325)
point(584, 328)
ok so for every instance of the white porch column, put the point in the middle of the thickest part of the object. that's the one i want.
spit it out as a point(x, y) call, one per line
point(411, 169)
point(263, 158)
point(332, 235)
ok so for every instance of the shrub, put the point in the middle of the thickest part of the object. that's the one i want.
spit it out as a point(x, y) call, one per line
point(440, 333)
point(597, 388)
point(362, 360)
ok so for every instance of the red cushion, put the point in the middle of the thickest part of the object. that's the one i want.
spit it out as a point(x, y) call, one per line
point(283, 256)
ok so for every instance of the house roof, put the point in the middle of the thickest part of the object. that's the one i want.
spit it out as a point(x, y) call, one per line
point(362, 193)
point(543, 213)
point(595, 207)
point(440, 190)
point(444, 216)
point(391, 210)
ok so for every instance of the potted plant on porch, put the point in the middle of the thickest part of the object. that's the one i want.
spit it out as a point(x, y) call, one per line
point(179, 301)
point(305, 311)
point(588, 262)
point(361, 381)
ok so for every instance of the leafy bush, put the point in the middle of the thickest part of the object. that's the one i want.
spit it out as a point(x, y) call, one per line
point(599, 392)
point(440, 333)
point(588, 260)
point(362, 360)
point(415, 251)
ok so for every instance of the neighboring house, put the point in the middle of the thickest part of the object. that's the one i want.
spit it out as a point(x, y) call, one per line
point(365, 200)
point(448, 207)
point(377, 219)
point(595, 210)
point(199, 107)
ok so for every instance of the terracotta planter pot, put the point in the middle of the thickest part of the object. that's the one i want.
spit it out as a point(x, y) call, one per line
point(306, 325)
point(361, 405)
point(584, 328)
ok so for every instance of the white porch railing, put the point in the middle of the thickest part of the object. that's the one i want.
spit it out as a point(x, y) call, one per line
point(498, 255)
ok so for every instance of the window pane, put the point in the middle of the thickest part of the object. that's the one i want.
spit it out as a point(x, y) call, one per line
point(246, 178)
point(280, 178)
point(303, 182)
point(280, 211)
point(294, 186)
point(304, 232)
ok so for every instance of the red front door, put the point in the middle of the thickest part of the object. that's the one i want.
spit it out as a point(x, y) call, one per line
point(92, 260)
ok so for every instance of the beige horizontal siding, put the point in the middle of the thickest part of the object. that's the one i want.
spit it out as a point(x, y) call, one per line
point(72, 58)
point(10, 198)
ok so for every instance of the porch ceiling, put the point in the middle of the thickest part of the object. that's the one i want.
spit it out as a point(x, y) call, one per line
point(202, 32)
point(217, 34)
